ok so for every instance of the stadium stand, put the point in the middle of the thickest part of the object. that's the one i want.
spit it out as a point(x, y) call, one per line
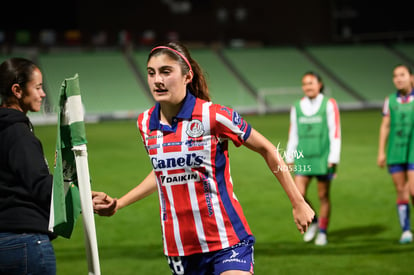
point(275, 74)
point(367, 69)
point(108, 85)
point(406, 51)
point(250, 80)
point(6, 56)
point(225, 88)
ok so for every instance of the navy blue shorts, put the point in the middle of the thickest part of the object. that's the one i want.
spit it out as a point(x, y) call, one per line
point(236, 257)
point(327, 177)
point(395, 168)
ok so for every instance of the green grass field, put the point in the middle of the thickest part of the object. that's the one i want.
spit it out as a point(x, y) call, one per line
point(363, 232)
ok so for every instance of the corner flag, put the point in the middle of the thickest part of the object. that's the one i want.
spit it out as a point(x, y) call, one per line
point(65, 199)
point(71, 183)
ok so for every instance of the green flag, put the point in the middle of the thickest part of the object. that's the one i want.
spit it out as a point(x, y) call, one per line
point(66, 205)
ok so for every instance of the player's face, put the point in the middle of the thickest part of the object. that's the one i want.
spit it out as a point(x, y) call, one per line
point(402, 79)
point(33, 93)
point(311, 86)
point(166, 80)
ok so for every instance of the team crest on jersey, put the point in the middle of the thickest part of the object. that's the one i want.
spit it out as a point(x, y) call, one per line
point(195, 128)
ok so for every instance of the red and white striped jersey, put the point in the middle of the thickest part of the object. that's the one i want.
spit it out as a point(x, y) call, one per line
point(198, 210)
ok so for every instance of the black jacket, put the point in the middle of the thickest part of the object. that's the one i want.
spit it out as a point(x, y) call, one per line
point(25, 180)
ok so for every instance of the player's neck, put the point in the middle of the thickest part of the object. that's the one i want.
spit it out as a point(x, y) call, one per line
point(168, 112)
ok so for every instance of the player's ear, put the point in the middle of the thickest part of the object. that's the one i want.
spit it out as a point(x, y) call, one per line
point(17, 91)
point(189, 77)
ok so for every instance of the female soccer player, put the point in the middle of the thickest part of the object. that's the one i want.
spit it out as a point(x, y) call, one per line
point(397, 130)
point(25, 181)
point(186, 137)
point(314, 147)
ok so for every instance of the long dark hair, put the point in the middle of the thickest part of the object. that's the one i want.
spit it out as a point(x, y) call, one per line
point(15, 70)
point(198, 86)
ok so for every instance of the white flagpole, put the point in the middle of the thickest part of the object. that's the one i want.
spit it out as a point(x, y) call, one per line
point(74, 113)
point(82, 169)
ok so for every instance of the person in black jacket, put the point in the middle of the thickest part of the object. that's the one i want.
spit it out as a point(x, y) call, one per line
point(25, 180)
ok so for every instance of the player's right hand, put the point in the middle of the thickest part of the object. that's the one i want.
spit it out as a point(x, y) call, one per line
point(103, 205)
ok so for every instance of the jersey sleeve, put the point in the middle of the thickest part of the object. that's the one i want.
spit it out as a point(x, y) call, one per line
point(293, 138)
point(386, 107)
point(228, 124)
point(143, 124)
point(334, 126)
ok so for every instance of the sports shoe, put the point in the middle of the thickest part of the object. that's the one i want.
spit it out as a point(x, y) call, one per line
point(406, 237)
point(321, 239)
point(311, 232)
